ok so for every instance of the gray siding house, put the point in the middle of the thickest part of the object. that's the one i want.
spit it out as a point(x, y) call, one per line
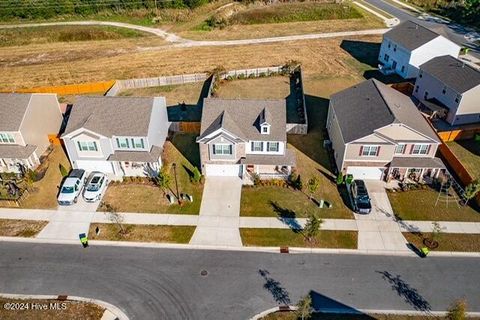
point(408, 45)
point(121, 136)
point(449, 89)
point(378, 133)
point(244, 137)
point(26, 121)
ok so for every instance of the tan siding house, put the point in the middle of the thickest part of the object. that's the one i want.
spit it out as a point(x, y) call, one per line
point(26, 121)
point(378, 133)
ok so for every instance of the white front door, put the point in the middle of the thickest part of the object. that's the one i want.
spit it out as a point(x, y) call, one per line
point(223, 170)
point(366, 173)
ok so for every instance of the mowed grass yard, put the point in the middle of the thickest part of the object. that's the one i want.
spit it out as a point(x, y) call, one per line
point(447, 241)
point(468, 152)
point(50, 34)
point(420, 205)
point(44, 193)
point(273, 87)
point(20, 228)
point(148, 198)
point(57, 64)
point(312, 161)
point(289, 238)
point(142, 233)
point(174, 94)
point(74, 310)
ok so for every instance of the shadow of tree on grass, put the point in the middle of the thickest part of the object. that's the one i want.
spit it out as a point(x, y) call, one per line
point(287, 216)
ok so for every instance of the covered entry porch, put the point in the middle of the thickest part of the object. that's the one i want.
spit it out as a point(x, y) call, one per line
point(268, 166)
point(136, 163)
point(415, 169)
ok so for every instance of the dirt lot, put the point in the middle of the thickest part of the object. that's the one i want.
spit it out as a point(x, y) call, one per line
point(73, 310)
point(20, 228)
point(275, 87)
point(188, 93)
point(36, 65)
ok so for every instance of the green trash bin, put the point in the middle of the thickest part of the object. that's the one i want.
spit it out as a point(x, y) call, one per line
point(83, 239)
point(425, 251)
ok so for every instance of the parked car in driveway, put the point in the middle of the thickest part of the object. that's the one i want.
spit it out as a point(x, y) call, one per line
point(71, 187)
point(95, 186)
point(360, 197)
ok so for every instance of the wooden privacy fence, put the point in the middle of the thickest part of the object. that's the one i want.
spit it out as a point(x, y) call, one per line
point(155, 82)
point(458, 134)
point(457, 167)
point(92, 87)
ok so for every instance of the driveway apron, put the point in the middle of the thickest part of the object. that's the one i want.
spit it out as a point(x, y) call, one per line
point(219, 213)
point(379, 229)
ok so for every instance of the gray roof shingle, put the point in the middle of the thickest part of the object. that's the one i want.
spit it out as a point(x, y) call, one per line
point(137, 156)
point(241, 118)
point(416, 162)
point(454, 73)
point(370, 105)
point(410, 35)
point(287, 159)
point(111, 116)
point(12, 110)
point(15, 151)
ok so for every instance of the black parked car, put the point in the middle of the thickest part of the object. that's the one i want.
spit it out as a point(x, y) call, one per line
point(361, 199)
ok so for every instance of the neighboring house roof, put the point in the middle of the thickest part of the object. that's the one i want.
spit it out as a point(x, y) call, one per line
point(137, 156)
point(410, 35)
point(453, 72)
point(242, 118)
point(12, 110)
point(416, 162)
point(111, 116)
point(362, 109)
point(288, 159)
point(15, 151)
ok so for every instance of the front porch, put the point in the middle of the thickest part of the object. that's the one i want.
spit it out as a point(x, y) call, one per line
point(136, 163)
point(415, 169)
point(267, 166)
point(18, 159)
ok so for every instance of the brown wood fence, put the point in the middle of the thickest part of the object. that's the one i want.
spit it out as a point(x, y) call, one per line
point(459, 134)
point(190, 127)
point(457, 167)
point(92, 87)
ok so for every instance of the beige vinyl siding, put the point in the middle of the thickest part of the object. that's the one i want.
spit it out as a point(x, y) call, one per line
point(43, 117)
point(385, 154)
point(402, 133)
point(335, 136)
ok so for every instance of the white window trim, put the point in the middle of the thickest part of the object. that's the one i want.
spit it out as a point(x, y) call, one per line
point(265, 126)
point(404, 145)
point(369, 151)
point(8, 136)
point(253, 143)
point(230, 149)
point(420, 146)
point(94, 144)
point(273, 151)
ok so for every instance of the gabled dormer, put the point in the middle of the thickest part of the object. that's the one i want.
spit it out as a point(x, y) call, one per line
point(265, 121)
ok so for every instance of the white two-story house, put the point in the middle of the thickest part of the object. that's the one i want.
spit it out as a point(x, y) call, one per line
point(408, 45)
point(121, 136)
point(451, 89)
point(244, 137)
point(27, 121)
point(378, 133)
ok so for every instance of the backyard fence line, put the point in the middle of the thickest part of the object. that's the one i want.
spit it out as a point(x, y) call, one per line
point(256, 72)
point(70, 89)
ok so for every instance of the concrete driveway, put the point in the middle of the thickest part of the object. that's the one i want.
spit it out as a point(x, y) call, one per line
point(379, 230)
point(219, 213)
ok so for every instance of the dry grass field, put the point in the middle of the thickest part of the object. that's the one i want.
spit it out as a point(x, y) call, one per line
point(276, 87)
point(189, 93)
point(57, 64)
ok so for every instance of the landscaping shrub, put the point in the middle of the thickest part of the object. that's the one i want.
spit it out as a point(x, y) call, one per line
point(196, 175)
point(63, 170)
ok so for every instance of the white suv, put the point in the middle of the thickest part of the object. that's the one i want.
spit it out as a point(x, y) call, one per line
point(71, 187)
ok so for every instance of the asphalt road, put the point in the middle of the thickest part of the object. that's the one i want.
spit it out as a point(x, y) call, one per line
point(167, 284)
point(453, 31)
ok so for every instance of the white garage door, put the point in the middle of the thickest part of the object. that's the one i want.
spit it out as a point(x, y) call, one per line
point(365, 173)
point(223, 170)
point(102, 166)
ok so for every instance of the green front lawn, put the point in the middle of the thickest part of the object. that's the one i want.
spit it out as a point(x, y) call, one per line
point(468, 152)
point(142, 233)
point(289, 238)
point(147, 198)
point(312, 161)
point(420, 205)
point(461, 242)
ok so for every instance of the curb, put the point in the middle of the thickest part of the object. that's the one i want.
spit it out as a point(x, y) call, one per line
point(362, 311)
point(109, 308)
point(292, 250)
